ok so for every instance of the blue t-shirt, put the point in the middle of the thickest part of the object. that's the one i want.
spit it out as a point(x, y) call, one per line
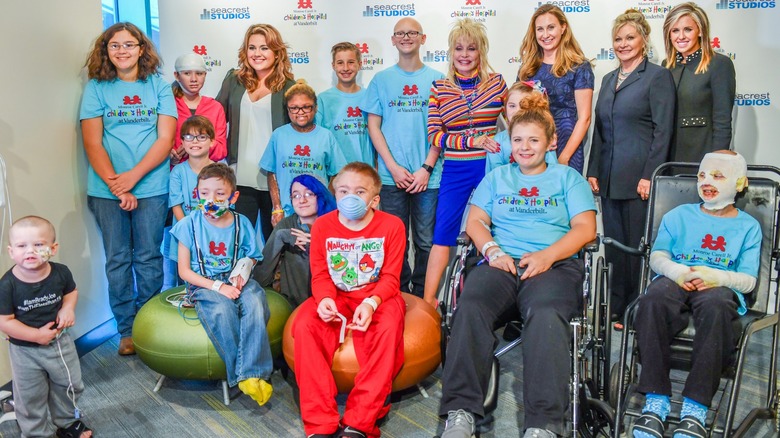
point(216, 244)
point(129, 111)
point(401, 99)
point(504, 156)
point(531, 212)
point(695, 238)
point(183, 189)
point(291, 153)
point(340, 113)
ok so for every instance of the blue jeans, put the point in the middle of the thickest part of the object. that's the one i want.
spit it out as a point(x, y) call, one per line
point(420, 210)
point(131, 240)
point(237, 330)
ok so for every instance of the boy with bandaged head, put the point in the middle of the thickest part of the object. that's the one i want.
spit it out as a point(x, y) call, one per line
point(707, 257)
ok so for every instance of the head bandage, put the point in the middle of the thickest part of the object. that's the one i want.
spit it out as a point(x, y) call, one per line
point(190, 62)
point(725, 173)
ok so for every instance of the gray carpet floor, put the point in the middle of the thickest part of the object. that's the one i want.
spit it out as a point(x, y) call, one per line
point(119, 402)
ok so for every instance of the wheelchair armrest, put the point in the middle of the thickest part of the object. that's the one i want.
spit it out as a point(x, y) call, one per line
point(592, 246)
point(464, 239)
point(626, 249)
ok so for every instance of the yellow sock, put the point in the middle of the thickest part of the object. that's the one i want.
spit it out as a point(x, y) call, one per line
point(258, 389)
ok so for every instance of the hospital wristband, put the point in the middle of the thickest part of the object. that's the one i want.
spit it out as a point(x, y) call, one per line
point(216, 285)
point(487, 246)
point(495, 255)
point(277, 211)
point(371, 302)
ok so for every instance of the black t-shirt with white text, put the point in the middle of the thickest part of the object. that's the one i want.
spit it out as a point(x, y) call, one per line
point(35, 304)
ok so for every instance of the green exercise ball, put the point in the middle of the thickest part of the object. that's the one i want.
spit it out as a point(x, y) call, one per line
point(175, 344)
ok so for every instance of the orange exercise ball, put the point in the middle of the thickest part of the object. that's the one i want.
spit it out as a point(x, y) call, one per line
point(422, 350)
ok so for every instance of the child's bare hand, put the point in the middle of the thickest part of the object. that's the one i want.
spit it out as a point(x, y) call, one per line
point(327, 309)
point(362, 317)
point(122, 183)
point(47, 333)
point(302, 238)
point(535, 263)
point(128, 202)
point(65, 318)
point(229, 291)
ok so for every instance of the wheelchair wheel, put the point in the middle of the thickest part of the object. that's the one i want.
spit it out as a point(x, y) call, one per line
point(614, 383)
point(598, 419)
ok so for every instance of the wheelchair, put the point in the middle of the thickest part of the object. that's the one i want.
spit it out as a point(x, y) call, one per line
point(591, 414)
point(762, 201)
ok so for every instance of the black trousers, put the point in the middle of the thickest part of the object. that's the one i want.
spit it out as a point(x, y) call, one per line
point(624, 221)
point(547, 302)
point(250, 200)
point(662, 313)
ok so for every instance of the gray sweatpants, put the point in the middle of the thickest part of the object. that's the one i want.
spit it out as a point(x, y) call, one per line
point(40, 386)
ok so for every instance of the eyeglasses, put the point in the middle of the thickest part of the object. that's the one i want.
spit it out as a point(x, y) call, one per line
point(410, 34)
point(306, 109)
point(127, 46)
point(191, 138)
point(308, 195)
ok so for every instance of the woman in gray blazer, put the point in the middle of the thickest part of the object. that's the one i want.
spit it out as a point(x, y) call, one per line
point(706, 85)
point(633, 129)
point(252, 96)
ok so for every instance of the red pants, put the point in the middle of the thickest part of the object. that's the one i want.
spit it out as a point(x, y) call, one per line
point(315, 343)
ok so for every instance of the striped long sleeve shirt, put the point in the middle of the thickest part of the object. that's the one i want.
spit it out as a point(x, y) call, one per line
point(460, 112)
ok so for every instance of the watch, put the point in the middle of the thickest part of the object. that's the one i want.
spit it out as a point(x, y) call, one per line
point(427, 167)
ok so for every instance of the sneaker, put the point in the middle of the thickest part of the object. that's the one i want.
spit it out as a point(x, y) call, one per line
point(535, 432)
point(460, 424)
point(349, 432)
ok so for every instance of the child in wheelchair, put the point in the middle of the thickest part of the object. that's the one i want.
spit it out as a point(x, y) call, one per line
point(706, 257)
point(529, 219)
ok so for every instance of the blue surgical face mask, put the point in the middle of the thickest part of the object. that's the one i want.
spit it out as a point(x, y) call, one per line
point(352, 207)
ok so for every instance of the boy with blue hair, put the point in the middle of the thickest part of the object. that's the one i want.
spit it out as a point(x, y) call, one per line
point(217, 249)
point(707, 256)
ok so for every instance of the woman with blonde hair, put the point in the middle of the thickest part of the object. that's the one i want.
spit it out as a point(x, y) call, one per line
point(632, 131)
point(462, 114)
point(252, 96)
point(550, 54)
point(706, 85)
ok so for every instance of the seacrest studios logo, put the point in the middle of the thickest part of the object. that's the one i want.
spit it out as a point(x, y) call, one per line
point(568, 6)
point(608, 54)
point(241, 13)
point(436, 56)
point(304, 14)
point(299, 57)
point(473, 9)
point(210, 61)
point(745, 4)
point(390, 10)
point(753, 99)
point(368, 61)
point(653, 9)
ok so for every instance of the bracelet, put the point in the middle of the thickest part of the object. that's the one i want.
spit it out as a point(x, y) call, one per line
point(428, 167)
point(487, 246)
point(277, 211)
point(495, 255)
point(371, 302)
point(216, 285)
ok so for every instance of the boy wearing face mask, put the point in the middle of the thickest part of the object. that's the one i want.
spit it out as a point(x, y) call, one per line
point(217, 249)
point(356, 257)
point(707, 257)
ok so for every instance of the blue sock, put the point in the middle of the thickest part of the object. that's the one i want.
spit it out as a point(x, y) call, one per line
point(657, 404)
point(691, 408)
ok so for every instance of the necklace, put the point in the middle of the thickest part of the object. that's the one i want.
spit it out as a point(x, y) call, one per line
point(471, 84)
point(622, 75)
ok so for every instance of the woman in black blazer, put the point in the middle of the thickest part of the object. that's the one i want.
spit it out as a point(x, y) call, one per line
point(633, 130)
point(706, 85)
